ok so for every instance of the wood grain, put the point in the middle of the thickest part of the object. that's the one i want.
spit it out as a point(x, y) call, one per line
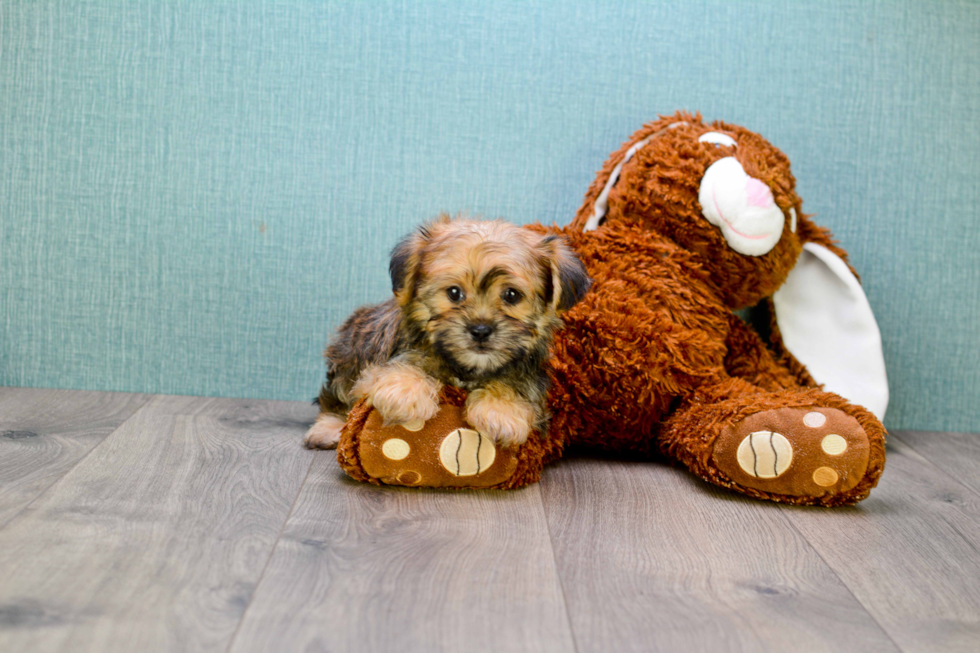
point(363, 568)
point(190, 528)
point(957, 454)
point(156, 540)
point(910, 553)
point(652, 559)
point(44, 433)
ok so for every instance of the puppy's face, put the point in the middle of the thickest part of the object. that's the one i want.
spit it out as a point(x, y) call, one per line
point(484, 293)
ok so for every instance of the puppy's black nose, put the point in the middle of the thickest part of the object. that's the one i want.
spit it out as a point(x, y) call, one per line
point(481, 332)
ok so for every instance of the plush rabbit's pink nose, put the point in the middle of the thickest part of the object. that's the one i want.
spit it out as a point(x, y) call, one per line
point(758, 194)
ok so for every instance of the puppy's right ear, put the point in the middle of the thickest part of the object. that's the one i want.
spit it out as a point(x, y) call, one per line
point(405, 262)
point(567, 279)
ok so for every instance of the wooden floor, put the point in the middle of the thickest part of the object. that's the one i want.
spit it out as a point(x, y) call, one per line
point(145, 523)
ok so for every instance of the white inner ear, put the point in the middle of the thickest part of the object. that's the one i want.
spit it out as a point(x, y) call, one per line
point(827, 324)
point(602, 202)
point(717, 138)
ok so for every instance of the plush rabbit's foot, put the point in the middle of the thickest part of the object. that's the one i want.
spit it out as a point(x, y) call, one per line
point(797, 452)
point(445, 451)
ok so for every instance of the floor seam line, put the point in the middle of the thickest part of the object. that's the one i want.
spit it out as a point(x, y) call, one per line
point(885, 632)
point(554, 562)
point(272, 552)
point(945, 473)
point(969, 541)
point(76, 464)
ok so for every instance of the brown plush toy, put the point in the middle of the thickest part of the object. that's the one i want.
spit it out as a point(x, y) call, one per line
point(685, 224)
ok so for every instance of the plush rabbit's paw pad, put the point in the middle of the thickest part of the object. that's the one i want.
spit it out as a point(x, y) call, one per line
point(794, 451)
point(443, 452)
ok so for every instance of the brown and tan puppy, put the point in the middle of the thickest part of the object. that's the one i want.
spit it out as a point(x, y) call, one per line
point(475, 306)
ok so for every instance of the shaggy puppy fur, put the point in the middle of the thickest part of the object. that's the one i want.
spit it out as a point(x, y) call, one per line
point(475, 306)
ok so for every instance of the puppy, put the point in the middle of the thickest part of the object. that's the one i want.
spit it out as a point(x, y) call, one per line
point(475, 306)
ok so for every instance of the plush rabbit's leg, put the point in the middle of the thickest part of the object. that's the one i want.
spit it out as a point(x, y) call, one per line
point(444, 451)
point(799, 445)
point(749, 359)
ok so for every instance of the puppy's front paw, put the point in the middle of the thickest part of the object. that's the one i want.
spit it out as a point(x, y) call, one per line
point(401, 393)
point(505, 419)
point(325, 432)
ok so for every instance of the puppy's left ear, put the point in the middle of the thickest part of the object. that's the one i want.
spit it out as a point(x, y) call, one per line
point(566, 280)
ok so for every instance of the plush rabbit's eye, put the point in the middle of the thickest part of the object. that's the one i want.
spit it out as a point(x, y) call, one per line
point(455, 294)
point(717, 138)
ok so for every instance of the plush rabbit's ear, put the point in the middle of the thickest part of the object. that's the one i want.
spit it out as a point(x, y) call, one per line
point(826, 323)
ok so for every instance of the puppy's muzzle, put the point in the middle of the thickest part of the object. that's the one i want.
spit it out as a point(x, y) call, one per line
point(480, 332)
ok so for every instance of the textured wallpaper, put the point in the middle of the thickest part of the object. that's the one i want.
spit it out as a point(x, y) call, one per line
point(193, 195)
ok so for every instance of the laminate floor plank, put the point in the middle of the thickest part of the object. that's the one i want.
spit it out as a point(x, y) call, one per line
point(957, 454)
point(365, 568)
point(44, 433)
point(910, 552)
point(156, 540)
point(131, 522)
point(651, 559)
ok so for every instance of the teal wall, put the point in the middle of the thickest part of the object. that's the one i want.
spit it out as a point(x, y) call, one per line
point(194, 194)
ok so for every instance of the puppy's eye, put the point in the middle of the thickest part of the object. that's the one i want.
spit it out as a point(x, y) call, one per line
point(455, 294)
point(512, 296)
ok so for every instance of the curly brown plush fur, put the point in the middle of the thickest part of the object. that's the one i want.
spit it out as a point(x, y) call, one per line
point(653, 359)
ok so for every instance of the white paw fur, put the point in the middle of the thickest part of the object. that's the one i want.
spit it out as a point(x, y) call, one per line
point(401, 393)
point(504, 420)
point(325, 432)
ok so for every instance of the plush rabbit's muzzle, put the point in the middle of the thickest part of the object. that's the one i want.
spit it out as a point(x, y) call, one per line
point(742, 207)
